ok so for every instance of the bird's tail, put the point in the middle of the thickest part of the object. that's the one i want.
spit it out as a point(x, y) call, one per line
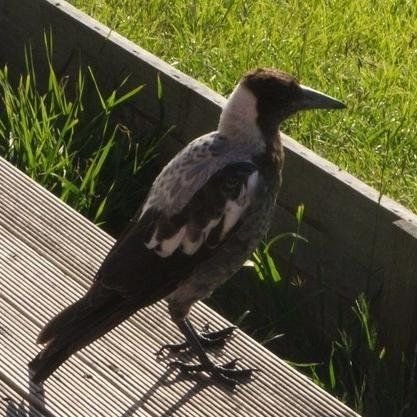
point(74, 328)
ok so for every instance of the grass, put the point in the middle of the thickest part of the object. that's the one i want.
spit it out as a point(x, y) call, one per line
point(352, 365)
point(364, 52)
point(70, 138)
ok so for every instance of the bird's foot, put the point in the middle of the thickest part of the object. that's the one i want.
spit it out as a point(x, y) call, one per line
point(226, 374)
point(207, 339)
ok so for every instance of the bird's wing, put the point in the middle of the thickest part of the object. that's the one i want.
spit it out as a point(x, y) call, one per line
point(190, 169)
point(158, 250)
point(210, 214)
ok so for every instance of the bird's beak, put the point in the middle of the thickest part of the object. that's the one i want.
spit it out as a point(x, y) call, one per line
point(312, 99)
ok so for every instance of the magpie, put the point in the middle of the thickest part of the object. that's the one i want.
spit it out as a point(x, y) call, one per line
point(205, 213)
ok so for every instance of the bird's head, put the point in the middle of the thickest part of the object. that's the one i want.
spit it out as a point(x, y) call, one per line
point(267, 97)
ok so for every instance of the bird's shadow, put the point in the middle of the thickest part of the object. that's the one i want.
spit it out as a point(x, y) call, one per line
point(33, 404)
point(201, 382)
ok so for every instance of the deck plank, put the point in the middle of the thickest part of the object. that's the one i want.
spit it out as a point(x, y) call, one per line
point(48, 255)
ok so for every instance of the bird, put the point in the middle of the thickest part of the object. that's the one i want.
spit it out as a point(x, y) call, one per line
point(205, 213)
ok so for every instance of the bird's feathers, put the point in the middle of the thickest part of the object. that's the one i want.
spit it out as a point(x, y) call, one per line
point(219, 204)
point(191, 168)
point(153, 256)
point(76, 327)
point(169, 247)
point(204, 215)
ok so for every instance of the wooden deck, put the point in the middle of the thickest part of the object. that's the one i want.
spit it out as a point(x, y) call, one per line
point(359, 242)
point(48, 255)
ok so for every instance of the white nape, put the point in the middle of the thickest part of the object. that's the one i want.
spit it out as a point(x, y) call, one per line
point(239, 116)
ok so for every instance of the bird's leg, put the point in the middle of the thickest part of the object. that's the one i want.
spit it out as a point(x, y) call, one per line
point(207, 339)
point(224, 373)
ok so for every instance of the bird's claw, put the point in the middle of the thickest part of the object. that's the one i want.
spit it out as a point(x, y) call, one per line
point(219, 335)
point(206, 338)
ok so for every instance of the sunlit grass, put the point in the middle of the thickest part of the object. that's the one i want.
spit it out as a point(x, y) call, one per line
point(73, 145)
point(364, 52)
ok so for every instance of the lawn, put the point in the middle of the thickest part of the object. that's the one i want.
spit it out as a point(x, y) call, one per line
point(364, 52)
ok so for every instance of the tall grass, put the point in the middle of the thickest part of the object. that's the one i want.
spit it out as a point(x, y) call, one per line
point(74, 146)
point(362, 51)
point(350, 363)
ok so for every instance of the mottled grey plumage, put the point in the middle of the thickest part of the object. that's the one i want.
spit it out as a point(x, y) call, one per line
point(204, 215)
point(190, 170)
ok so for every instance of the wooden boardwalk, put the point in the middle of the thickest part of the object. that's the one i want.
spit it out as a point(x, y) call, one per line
point(48, 255)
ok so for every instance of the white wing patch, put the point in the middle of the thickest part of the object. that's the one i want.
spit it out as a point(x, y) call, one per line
point(168, 246)
point(190, 247)
point(153, 242)
point(189, 238)
point(235, 208)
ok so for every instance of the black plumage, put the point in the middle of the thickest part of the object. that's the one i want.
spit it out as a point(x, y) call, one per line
point(205, 214)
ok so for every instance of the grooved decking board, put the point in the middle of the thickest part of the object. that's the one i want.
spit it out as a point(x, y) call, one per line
point(48, 255)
